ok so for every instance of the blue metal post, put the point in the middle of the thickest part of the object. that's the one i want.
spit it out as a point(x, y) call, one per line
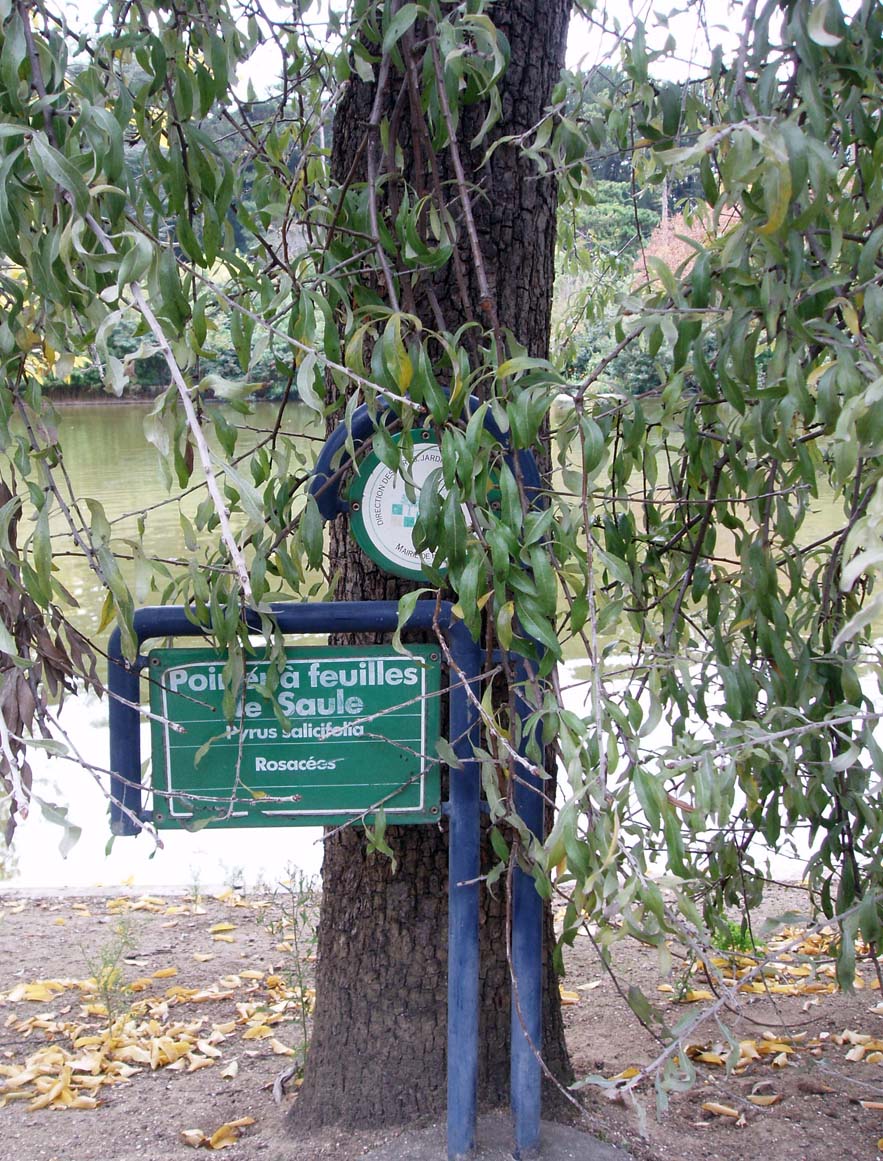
point(463, 871)
point(124, 720)
point(125, 740)
point(527, 947)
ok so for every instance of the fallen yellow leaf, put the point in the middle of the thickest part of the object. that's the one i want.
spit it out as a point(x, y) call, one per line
point(132, 1054)
point(720, 1110)
point(18, 1080)
point(223, 1138)
point(228, 1134)
point(148, 903)
point(218, 927)
point(42, 991)
point(53, 1093)
point(257, 1032)
point(773, 1047)
point(847, 1036)
point(165, 973)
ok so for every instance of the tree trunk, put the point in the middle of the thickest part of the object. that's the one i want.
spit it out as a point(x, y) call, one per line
point(378, 1049)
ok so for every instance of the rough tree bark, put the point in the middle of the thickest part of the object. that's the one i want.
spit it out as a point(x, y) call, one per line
point(378, 1050)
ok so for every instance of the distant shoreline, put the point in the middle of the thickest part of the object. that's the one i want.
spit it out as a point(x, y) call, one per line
point(89, 399)
point(77, 400)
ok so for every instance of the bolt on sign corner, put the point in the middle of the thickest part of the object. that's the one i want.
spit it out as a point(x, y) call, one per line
point(347, 731)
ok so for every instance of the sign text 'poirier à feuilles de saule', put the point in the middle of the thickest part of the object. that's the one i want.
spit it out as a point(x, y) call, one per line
point(346, 731)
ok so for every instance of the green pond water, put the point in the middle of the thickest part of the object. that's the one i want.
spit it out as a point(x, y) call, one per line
point(108, 458)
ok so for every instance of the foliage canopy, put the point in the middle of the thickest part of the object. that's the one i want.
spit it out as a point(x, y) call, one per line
point(729, 666)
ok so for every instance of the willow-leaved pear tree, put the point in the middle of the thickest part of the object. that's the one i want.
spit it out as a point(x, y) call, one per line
point(459, 274)
point(381, 225)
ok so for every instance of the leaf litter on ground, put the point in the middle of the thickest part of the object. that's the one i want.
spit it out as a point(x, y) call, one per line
point(797, 963)
point(80, 1055)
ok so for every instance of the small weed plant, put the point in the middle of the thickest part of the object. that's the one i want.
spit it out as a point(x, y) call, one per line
point(195, 893)
point(293, 920)
point(736, 938)
point(105, 966)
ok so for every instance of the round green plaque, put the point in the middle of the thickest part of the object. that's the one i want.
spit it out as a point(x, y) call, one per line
point(382, 516)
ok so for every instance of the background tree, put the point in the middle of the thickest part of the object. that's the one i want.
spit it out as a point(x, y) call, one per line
point(741, 623)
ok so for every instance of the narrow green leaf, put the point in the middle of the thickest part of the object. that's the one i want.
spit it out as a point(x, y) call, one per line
point(306, 384)
point(407, 604)
point(43, 558)
point(312, 533)
point(448, 755)
point(58, 816)
point(59, 170)
point(401, 21)
point(815, 26)
point(249, 498)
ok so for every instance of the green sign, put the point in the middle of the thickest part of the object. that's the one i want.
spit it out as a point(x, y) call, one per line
point(348, 731)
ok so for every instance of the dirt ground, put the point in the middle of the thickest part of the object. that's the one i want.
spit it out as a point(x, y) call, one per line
point(207, 999)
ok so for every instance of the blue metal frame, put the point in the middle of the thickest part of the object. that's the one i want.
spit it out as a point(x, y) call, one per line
point(463, 809)
point(326, 481)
